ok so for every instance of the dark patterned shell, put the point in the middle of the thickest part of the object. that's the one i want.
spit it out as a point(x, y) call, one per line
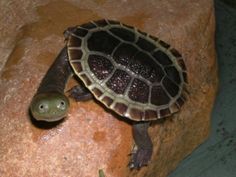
point(132, 73)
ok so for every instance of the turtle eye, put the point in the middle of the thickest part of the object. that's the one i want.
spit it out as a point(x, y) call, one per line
point(61, 105)
point(43, 107)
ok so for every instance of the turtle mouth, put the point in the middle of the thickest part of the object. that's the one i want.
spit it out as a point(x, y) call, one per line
point(52, 119)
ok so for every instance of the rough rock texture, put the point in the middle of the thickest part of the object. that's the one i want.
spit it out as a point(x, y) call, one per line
point(91, 138)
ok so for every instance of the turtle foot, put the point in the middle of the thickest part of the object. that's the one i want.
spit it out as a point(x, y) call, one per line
point(79, 93)
point(140, 158)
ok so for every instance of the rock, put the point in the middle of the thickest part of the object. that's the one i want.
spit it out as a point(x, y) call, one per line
point(90, 138)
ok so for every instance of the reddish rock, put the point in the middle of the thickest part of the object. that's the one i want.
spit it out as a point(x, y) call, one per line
point(90, 138)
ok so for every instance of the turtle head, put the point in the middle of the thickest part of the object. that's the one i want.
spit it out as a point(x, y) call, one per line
point(50, 107)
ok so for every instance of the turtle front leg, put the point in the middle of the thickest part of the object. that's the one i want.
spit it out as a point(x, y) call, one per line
point(143, 154)
point(80, 93)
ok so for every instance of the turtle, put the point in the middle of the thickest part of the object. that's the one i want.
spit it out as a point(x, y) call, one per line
point(136, 75)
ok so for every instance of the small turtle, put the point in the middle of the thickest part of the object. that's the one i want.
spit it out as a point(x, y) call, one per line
point(132, 73)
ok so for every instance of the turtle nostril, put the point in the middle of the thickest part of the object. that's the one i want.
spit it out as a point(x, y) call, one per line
point(61, 105)
point(43, 107)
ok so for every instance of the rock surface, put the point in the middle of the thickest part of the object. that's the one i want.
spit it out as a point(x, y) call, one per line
point(90, 138)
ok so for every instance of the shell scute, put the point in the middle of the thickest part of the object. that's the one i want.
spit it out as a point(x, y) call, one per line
point(154, 38)
point(180, 102)
point(124, 34)
point(162, 57)
point(159, 96)
point(136, 114)
point(113, 22)
point(150, 114)
point(170, 86)
point(145, 45)
point(142, 64)
point(165, 112)
point(85, 79)
point(141, 32)
point(175, 53)
point(121, 108)
point(107, 101)
point(164, 44)
point(156, 75)
point(174, 108)
point(74, 42)
point(102, 41)
point(184, 74)
point(75, 54)
point(173, 74)
point(80, 32)
point(77, 65)
point(88, 26)
point(101, 23)
point(119, 81)
point(97, 92)
point(123, 54)
point(134, 91)
point(181, 64)
point(100, 66)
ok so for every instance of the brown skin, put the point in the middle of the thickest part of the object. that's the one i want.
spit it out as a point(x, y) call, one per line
point(50, 103)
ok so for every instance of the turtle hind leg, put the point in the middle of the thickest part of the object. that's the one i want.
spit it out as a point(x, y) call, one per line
point(143, 154)
point(80, 93)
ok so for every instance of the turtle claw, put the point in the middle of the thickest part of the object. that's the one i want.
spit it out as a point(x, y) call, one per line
point(140, 158)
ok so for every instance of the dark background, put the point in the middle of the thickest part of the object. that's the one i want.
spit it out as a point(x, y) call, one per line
point(217, 156)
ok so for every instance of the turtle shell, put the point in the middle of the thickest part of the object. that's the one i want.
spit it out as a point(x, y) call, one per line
point(131, 72)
